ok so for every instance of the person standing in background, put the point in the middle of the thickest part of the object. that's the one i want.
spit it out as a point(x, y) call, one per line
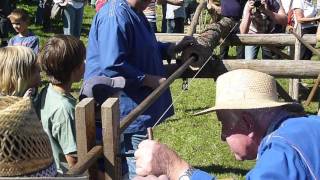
point(20, 21)
point(150, 13)
point(232, 9)
point(268, 16)
point(72, 16)
point(175, 16)
point(301, 11)
point(43, 14)
point(4, 22)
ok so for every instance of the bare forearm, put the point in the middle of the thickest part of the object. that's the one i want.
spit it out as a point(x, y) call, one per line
point(307, 20)
point(277, 18)
point(71, 160)
point(177, 168)
point(245, 24)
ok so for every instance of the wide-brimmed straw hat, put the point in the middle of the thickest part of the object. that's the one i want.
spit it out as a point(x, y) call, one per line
point(24, 146)
point(245, 89)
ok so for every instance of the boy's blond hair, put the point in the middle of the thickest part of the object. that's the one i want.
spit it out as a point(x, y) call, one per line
point(17, 64)
point(19, 15)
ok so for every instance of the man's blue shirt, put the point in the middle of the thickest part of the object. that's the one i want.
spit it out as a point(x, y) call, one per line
point(291, 151)
point(122, 43)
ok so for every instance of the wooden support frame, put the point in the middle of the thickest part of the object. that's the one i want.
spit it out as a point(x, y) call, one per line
point(247, 39)
point(86, 138)
point(294, 83)
point(278, 68)
point(110, 114)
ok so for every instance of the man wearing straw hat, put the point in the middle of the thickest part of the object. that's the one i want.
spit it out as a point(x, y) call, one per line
point(256, 125)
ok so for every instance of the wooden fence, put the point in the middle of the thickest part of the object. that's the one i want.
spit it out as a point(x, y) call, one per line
point(89, 151)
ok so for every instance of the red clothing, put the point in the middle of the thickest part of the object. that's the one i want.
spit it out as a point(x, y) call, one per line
point(99, 4)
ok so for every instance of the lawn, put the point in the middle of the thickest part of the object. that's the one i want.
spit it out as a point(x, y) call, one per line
point(196, 139)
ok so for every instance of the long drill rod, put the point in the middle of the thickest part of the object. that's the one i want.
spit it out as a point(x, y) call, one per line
point(154, 95)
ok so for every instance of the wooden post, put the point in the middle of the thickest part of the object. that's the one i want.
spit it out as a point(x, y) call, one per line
point(88, 160)
point(86, 131)
point(290, 90)
point(110, 114)
point(297, 55)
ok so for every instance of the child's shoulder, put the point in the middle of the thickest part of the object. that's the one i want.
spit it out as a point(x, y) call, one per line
point(55, 105)
point(57, 99)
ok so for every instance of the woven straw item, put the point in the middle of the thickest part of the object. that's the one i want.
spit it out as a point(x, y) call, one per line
point(25, 147)
point(246, 89)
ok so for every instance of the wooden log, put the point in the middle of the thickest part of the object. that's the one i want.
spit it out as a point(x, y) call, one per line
point(278, 51)
point(110, 114)
point(87, 161)
point(195, 19)
point(247, 39)
point(313, 91)
point(86, 131)
point(278, 68)
point(298, 36)
point(297, 57)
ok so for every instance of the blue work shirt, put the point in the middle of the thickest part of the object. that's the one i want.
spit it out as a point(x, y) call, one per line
point(290, 151)
point(122, 43)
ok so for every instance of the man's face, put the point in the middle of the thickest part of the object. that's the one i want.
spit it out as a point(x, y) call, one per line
point(238, 132)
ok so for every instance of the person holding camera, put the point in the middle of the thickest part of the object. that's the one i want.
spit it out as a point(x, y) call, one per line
point(304, 12)
point(262, 16)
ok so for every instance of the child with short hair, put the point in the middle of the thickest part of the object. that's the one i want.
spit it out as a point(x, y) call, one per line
point(20, 21)
point(62, 59)
point(19, 70)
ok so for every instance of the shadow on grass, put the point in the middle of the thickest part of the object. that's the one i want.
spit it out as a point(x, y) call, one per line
point(218, 169)
point(193, 110)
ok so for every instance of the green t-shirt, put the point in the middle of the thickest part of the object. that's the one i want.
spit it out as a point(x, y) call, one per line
point(58, 121)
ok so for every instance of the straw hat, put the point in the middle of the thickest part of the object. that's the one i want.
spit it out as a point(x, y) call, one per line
point(246, 89)
point(24, 146)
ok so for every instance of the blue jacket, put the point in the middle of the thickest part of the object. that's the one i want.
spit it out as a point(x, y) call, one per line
point(122, 43)
point(290, 151)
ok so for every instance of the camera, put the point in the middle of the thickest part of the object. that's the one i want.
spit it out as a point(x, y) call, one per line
point(257, 3)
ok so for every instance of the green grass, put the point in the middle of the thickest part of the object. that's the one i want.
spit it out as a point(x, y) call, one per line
point(196, 139)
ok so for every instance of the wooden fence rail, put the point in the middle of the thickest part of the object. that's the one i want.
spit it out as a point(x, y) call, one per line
point(248, 39)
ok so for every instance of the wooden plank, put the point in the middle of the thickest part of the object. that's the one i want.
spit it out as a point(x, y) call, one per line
point(247, 39)
point(87, 161)
point(278, 68)
point(297, 56)
point(110, 114)
point(86, 131)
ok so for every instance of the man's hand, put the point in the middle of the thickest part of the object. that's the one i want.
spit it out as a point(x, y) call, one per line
point(181, 45)
point(153, 81)
point(154, 158)
point(29, 93)
point(250, 6)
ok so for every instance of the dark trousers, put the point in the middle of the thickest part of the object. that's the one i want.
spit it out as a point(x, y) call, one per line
point(175, 25)
point(306, 54)
point(225, 49)
point(43, 13)
point(164, 20)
